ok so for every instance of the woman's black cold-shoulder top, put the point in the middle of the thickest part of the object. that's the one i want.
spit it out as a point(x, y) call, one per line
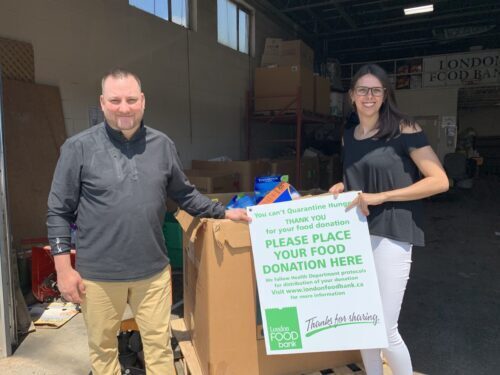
point(375, 165)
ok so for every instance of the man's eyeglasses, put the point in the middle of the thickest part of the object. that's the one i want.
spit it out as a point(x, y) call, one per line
point(363, 91)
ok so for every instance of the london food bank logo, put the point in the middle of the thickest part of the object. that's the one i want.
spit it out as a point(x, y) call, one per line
point(283, 328)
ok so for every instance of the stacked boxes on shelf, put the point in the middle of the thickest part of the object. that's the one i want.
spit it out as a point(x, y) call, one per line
point(211, 182)
point(286, 66)
point(296, 52)
point(276, 88)
point(247, 170)
point(321, 95)
point(286, 53)
point(272, 52)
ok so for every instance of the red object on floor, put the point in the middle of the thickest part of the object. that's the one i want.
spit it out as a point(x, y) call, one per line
point(43, 273)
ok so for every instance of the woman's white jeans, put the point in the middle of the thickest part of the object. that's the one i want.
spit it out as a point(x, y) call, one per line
point(392, 262)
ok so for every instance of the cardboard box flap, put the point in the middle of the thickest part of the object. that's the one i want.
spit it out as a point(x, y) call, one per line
point(189, 224)
point(236, 235)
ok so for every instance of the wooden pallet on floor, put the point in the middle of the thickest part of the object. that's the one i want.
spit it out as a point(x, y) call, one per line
point(190, 364)
point(353, 368)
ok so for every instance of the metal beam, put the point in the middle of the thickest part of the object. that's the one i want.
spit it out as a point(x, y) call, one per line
point(345, 16)
point(414, 21)
point(460, 12)
point(318, 19)
point(315, 5)
point(402, 46)
point(405, 31)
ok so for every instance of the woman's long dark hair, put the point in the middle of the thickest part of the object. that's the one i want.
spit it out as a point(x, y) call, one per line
point(391, 119)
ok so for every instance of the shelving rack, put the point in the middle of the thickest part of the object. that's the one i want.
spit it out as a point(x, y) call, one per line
point(291, 114)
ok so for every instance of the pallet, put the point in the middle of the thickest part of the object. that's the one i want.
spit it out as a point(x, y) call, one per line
point(353, 368)
point(189, 361)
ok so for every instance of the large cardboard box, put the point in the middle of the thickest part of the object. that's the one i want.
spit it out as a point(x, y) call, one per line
point(287, 53)
point(273, 46)
point(213, 181)
point(269, 60)
point(276, 87)
point(321, 95)
point(296, 52)
point(247, 169)
point(272, 52)
point(220, 309)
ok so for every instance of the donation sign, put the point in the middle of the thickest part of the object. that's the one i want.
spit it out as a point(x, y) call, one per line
point(315, 275)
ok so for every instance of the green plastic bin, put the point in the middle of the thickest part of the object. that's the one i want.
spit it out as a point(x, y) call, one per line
point(172, 232)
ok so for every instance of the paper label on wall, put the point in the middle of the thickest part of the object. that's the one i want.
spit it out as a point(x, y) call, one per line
point(316, 277)
point(448, 121)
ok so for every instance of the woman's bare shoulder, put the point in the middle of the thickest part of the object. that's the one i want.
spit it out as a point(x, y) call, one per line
point(407, 128)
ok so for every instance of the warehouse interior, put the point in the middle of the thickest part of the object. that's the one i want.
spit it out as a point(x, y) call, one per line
point(247, 88)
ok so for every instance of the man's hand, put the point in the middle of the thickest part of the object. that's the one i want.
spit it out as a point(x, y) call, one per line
point(238, 214)
point(70, 285)
point(69, 281)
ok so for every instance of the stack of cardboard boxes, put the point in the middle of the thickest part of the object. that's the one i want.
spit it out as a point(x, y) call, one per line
point(321, 95)
point(247, 170)
point(278, 52)
point(211, 177)
point(286, 68)
point(211, 182)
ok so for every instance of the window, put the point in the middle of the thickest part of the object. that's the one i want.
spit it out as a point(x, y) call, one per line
point(175, 11)
point(233, 25)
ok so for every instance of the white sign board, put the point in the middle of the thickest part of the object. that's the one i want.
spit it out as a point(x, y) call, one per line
point(462, 69)
point(316, 277)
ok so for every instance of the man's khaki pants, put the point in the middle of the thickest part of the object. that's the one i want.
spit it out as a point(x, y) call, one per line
point(150, 302)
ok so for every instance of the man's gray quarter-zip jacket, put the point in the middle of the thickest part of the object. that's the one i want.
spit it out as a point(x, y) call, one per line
point(115, 190)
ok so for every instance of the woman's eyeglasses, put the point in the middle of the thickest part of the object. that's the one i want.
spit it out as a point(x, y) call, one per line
point(363, 91)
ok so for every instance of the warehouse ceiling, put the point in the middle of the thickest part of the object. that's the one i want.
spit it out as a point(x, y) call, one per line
point(371, 30)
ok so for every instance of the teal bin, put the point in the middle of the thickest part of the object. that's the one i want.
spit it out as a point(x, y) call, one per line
point(172, 232)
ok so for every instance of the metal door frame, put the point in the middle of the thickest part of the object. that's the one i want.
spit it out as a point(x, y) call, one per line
point(7, 323)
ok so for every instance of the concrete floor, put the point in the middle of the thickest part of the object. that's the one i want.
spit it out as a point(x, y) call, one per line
point(51, 352)
point(449, 318)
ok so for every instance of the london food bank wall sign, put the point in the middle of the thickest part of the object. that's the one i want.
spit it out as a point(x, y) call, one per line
point(462, 69)
point(315, 275)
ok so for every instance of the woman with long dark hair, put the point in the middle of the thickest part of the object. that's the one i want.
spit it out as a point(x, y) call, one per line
point(388, 159)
